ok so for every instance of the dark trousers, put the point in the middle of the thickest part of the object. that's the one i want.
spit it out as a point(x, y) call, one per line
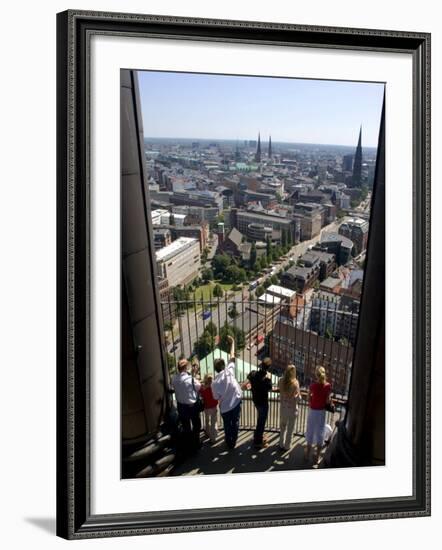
point(231, 425)
point(191, 422)
point(262, 412)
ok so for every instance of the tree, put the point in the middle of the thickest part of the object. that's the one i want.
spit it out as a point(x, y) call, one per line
point(263, 262)
point(207, 275)
point(259, 291)
point(182, 296)
point(233, 312)
point(236, 333)
point(220, 263)
point(253, 257)
point(235, 274)
point(232, 273)
point(218, 291)
point(167, 326)
point(211, 328)
point(204, 345)
point(269, 249)
point(274, 280)
point(266, 283)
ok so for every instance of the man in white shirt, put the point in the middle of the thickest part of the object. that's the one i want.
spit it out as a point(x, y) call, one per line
point(186, 392)
point(227, 391)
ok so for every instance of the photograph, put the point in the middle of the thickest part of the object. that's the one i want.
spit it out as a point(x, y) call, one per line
point(243, 247)
point(249, 234)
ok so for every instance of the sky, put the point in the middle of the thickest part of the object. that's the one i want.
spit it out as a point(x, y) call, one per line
point(189, 105)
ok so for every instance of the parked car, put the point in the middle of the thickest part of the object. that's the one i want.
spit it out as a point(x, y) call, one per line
point(206, 315)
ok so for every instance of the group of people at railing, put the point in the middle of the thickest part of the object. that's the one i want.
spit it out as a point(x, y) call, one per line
point(224, 391)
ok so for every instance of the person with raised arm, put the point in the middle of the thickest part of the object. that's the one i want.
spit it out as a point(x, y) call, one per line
point(226, 389)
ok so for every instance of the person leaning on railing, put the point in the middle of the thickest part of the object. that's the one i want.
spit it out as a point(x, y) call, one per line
point(186, 388)
point(288, 410)
point(226, 389)
point(260, 382)
point(319, 397)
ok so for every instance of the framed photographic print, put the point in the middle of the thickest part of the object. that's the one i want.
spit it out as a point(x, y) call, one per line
point(243, 274)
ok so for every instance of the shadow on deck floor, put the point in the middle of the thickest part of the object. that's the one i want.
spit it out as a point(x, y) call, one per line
point(219, 459)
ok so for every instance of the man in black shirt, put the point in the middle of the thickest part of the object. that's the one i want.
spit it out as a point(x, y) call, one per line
point(261, 384)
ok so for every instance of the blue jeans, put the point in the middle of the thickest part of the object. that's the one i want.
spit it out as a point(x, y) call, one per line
point(231, 425)
point(263, 411)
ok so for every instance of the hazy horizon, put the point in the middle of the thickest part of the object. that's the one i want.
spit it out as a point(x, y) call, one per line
point(264, 141)
point(312, 112)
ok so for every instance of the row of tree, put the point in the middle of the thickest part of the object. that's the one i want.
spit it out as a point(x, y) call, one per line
point(273, 252)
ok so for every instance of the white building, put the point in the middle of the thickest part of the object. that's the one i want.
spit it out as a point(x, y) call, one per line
point(159, 216)
point(281, 291)
point(179, 261)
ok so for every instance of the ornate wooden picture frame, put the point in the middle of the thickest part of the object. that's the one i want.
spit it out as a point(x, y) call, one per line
point(75, 519)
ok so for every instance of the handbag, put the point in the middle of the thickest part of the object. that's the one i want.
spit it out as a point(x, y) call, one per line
point(199, 403)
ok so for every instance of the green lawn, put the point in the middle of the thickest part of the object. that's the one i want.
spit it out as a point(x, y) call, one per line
point(205, 292)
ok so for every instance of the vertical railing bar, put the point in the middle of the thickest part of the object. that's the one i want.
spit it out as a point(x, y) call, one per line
point(196, 324)
point(309, 335)
point(180, 327)
point(171, 330)
point(202, 309)
point(338, 358)
point(279, 322)
point(188, 328)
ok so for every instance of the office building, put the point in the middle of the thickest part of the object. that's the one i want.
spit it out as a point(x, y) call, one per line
point(306, 350)
point(259, 225)
point(338, 245)
point(180, 261)
point(356, 229)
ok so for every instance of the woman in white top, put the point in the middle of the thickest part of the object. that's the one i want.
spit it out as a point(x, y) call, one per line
point(288, 410)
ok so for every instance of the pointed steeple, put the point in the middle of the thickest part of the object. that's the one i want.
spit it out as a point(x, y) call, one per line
point(270, 147)
point(258, 149)
point(357, 163)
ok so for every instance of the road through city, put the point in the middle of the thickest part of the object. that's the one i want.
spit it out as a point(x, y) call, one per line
point(190, 325)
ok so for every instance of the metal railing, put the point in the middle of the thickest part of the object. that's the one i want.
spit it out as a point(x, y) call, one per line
point(278, 328)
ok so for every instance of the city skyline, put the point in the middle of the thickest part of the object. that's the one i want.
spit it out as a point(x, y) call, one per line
point(291, 110)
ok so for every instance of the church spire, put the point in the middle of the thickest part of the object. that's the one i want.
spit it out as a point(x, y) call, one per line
point(270, 147)
point(357, 163)
point(258, 149)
